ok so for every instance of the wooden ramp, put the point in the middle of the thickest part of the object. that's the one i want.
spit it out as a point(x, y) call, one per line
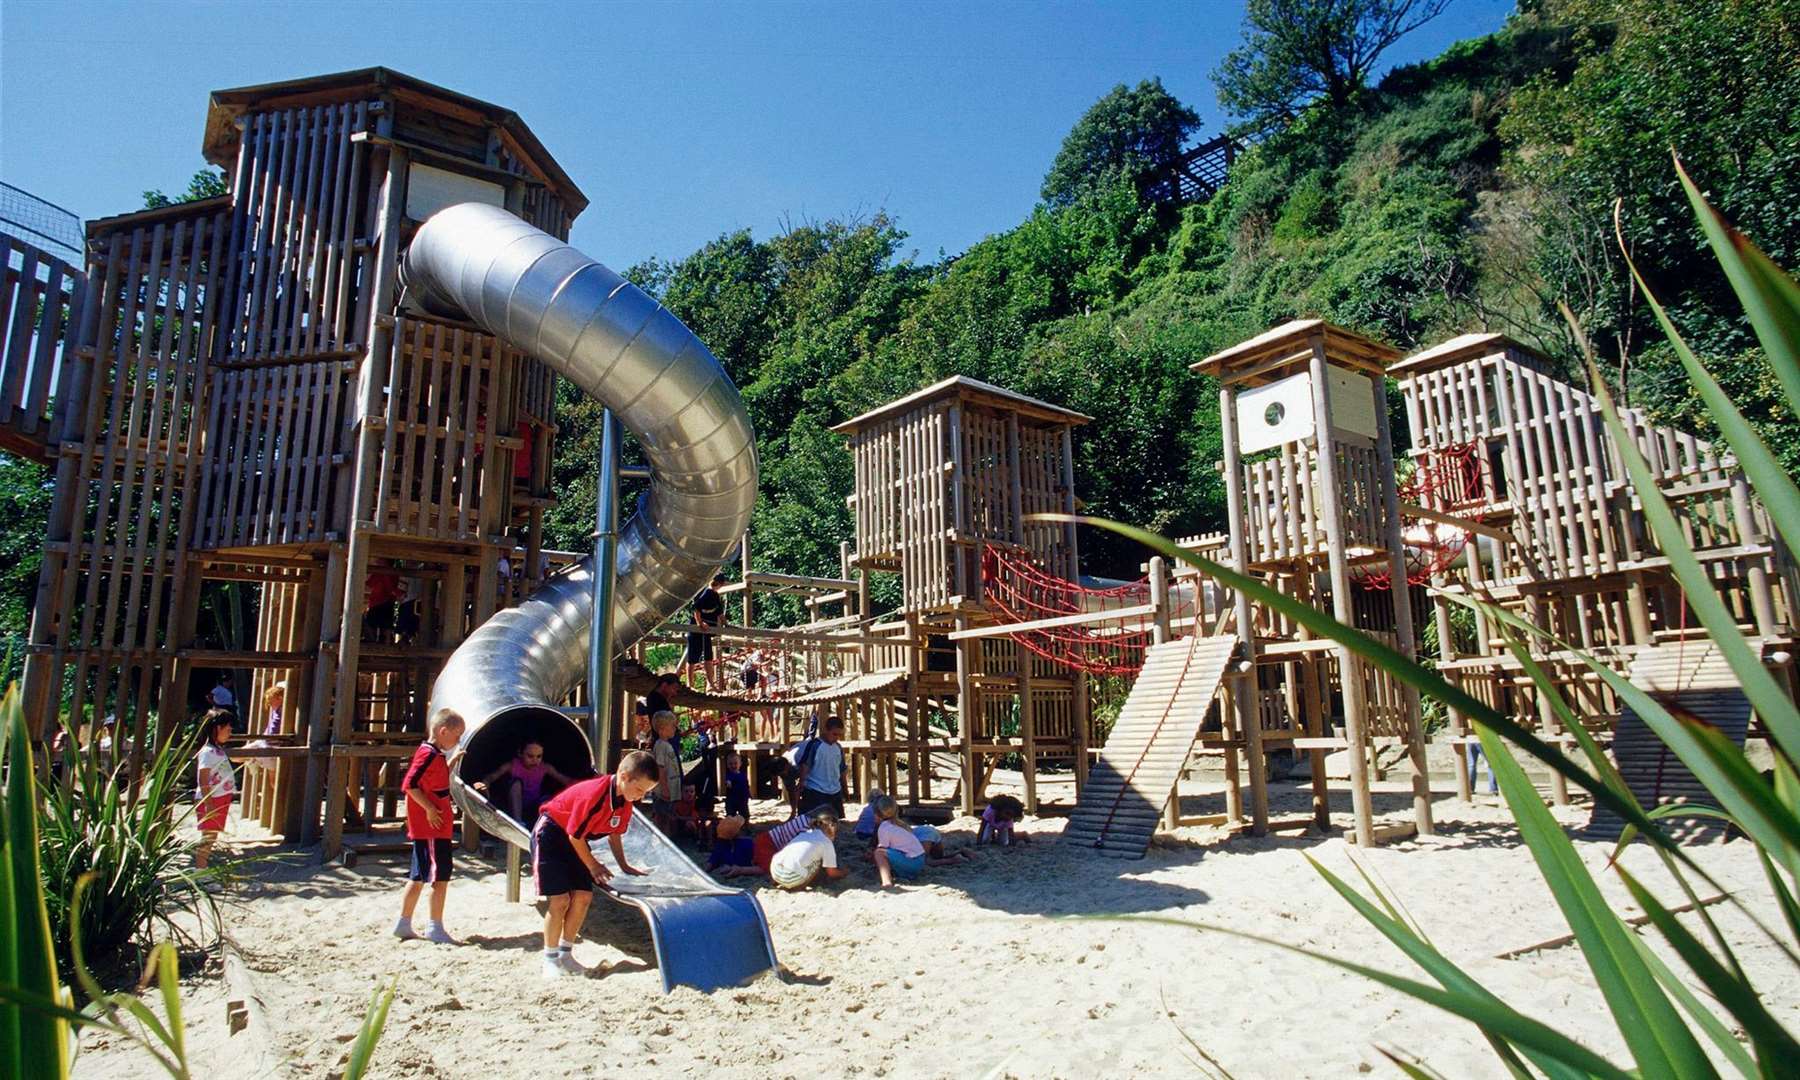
point(1143, 757)
point(1694, 679)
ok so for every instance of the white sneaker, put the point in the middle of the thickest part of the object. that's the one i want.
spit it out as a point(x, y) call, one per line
point(553, 969)
point(403, 930)
point(435, 932)
point(567, 961)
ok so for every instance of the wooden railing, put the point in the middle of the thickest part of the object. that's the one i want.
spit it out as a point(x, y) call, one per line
point(40, 302)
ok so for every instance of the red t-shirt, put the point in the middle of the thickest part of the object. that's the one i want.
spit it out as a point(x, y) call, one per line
point(431, 775)
point(589, 809)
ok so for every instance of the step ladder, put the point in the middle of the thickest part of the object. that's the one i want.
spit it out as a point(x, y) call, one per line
point(1138, 768)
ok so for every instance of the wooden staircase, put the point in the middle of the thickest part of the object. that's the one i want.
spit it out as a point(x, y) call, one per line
point(1694, 678)
point(1144, 755)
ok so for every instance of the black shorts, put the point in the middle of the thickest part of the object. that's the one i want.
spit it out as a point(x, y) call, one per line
point(811, 800)
point(700, 648)
point(431, 861)
point(555, 868)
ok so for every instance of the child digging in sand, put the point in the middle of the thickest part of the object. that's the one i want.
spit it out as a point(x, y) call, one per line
point(997, 821)
point(902, 852)
point(795, 864)
point(217, 784)
point(562, 865)
point(428, 825)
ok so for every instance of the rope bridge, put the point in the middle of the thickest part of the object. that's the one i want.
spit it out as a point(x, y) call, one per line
point(1452, 481)
point(1018, 589)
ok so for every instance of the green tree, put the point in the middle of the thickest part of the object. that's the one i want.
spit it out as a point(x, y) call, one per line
point(1296, 52)
point(204, 184)
point(1134, 133)
point(25, 504)
point(1717, 81)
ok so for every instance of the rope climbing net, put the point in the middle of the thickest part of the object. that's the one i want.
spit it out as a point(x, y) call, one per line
point(1453, 481)
point(1017, 588)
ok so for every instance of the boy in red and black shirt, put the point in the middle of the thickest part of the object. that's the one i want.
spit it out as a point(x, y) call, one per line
point(428, 825)
point(563, 867)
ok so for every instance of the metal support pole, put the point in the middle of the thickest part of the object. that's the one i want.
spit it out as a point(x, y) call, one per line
point(606, 547)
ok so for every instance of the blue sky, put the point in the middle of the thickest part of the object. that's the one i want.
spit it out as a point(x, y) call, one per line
point(680, 120)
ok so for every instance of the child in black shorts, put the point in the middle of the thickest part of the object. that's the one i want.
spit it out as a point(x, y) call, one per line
point(563, 867)
point(429, 826)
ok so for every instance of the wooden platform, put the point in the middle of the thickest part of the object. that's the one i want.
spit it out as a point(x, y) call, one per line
point(1141, 762)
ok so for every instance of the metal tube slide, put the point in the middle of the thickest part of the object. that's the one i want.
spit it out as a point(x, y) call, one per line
point(606, 336)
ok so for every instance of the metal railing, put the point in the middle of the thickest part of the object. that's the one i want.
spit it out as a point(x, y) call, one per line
point(41, 223)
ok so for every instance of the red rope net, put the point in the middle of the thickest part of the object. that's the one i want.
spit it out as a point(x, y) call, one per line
point(1017, 588)
point(1454, 481)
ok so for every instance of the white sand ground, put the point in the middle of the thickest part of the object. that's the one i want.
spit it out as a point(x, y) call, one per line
point(1002, 968)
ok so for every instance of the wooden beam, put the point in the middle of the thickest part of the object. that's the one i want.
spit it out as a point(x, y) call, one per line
point(1139, 611)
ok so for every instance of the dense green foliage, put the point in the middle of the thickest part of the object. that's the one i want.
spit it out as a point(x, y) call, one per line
point(24, 507)
point(1470, 192)
point(1132, 134)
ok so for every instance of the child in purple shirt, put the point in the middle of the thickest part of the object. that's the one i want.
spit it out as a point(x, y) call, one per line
point(518, 786)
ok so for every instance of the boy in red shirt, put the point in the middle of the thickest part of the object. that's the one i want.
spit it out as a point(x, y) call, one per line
point(563, 867)
point(428, 826)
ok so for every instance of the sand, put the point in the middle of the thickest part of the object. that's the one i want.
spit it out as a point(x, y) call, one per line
point(1006, 967)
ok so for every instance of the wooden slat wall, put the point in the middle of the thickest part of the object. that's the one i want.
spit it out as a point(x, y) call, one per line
point(300, 248)
point(130, 456)
point(444, 474)
point(40, 306)
point(277, 438)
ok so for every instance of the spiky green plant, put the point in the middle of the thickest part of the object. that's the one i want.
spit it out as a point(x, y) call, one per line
point(129, 833)
point(1673, 1025)
point(37, 1012)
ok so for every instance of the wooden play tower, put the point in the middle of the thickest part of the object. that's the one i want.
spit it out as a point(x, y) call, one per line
point(246, 401)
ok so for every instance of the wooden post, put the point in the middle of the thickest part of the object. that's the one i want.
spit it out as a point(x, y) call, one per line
point(1349, 664)
point(1402, 599)
point(375, 368)
point(1459, 724)
point(1159, 635)
point(749, 592)
point(1243, 691)
point(1762, 601)
point(966, 710)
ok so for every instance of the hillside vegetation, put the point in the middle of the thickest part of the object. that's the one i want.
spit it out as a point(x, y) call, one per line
point(1471, 192)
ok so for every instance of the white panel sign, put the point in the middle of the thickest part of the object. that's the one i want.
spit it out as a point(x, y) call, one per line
point(1352, 402)
point(429, 190)
point(1275, 414)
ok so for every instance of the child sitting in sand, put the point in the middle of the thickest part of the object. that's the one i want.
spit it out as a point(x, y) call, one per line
point(795, 864)
point(997, 821)
point(521, 781)
point(903, 852)
point(564, 868)
point(217, 784)
point(426, 786)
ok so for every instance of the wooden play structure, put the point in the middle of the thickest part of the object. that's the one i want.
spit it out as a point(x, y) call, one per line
point(244, 402)
point(1562, 542)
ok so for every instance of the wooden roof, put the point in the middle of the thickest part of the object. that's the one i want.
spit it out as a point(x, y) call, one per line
point(970, 390)
point(172, 212)
point(1458, 349)
point(225, 107)
point(1293, 341)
